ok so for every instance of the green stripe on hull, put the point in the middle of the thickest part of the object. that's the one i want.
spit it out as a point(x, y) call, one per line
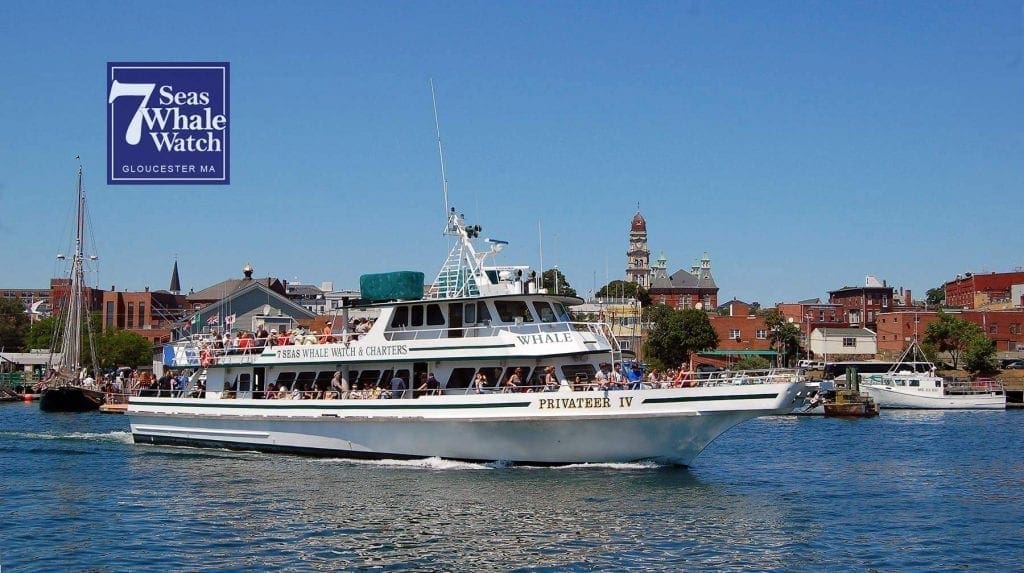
point(279, 406)
point(707, 398)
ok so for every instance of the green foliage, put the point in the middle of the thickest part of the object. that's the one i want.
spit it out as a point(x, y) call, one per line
point(783, 335)
point(675, 334)
point(41, 334)
point(752, 363)
point(980, 356)
point(548, 279)
point(122, 348)
point(625, 289)
point(935, 297)
point(953, 335)
point(13, 325)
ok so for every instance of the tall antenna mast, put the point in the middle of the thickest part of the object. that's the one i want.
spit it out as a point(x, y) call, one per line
point(440, 148)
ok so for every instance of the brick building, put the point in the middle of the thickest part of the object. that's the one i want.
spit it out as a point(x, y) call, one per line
point(972, 290)
point(897, 329)
point(861, 305)
point(150, 314)
point(682, 289)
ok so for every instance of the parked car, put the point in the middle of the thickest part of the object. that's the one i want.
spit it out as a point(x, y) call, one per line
point(811, 365)
point(1015, 365)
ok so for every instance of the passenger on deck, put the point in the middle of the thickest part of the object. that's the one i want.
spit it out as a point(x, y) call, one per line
point(325, 334)
point(616, 379)
point(684, 377)
point(398, 387)
point(514, 381)
point(433, 386)
point(550, 381)
point(480, 383)
point(341, 385)
point(602, 378)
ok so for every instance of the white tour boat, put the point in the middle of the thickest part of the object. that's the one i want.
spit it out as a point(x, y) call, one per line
point(476, 319)
point(912, 383)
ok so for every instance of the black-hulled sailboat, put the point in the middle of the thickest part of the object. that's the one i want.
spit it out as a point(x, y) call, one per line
point(68, 387)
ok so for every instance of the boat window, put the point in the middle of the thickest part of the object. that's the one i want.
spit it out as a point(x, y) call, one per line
point(544, 311)
point(560, 311)
point(460, 378)
point(915, 383)
point(243, 383)
point(417, 315)
point(469, 313)
point(368, 378)
point(401, 317)
point(482, 314)
point(938, 383)
point(434, 315)
point(285, 378)
point(524, 375)
point(404, 375)
point(323, 379)
point(569, 371)
point(305, 380)
point(510, 310)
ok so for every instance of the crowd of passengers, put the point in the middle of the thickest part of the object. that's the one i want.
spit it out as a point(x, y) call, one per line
point(253, 342)
point(617, 376)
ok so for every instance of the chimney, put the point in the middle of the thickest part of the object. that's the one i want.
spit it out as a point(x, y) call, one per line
point(147, 289)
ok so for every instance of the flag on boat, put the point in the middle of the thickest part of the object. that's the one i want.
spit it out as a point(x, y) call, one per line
point(213, 319)
point(229, 319)
point(194, 319)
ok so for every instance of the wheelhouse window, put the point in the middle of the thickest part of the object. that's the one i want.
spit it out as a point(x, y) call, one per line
point(509, 310)
point(417, 315)
point(469, 313)
point(434, 315)
point(544, 311)
point(482, 313)
point(368, 379)
point(401, 317)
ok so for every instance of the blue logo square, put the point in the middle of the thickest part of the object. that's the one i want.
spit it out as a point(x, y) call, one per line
point(168, 123)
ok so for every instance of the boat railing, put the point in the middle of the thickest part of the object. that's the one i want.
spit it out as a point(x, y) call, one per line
point(600, 331)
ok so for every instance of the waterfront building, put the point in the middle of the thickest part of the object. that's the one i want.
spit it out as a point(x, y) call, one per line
point(150, 314)
point(897, 329)
point(843, 343)
point(988, 290)
point(682, 289)
point(861, 304)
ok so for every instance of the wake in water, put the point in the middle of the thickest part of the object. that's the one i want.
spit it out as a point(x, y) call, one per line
point(117, 436)
point(436, 463)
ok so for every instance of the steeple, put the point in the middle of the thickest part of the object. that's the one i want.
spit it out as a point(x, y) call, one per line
point(175, 282)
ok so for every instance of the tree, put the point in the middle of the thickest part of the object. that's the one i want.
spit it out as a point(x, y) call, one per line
point(784, 336)
point(953, 335)
point(935, 297)
point(752, 363)
point(41, 334)
point(14, 323)
point(676, 334)
point(625, 289)
point(122, 348)
point(548, 281)
point(980, 356)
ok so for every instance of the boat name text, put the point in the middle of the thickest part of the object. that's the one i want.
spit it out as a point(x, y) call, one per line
point(569, 403)
point(343, 351)
point(550, 338)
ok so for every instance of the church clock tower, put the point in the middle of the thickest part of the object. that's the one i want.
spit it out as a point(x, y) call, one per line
point(638, 257)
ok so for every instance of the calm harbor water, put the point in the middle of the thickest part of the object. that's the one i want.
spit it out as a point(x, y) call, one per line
point(906, 491)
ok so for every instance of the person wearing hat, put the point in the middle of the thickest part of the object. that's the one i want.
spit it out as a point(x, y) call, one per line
point(325, 335)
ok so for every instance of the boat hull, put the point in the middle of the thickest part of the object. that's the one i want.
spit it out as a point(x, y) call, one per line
point(668, 426)
point(893, 397)
point(70, 399)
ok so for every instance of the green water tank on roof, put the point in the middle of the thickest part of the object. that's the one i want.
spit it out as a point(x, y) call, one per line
point(400, 285)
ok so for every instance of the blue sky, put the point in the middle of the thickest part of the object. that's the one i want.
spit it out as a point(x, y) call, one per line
point(803, 145)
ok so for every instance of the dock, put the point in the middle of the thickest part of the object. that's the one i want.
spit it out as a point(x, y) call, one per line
point(113, 408)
